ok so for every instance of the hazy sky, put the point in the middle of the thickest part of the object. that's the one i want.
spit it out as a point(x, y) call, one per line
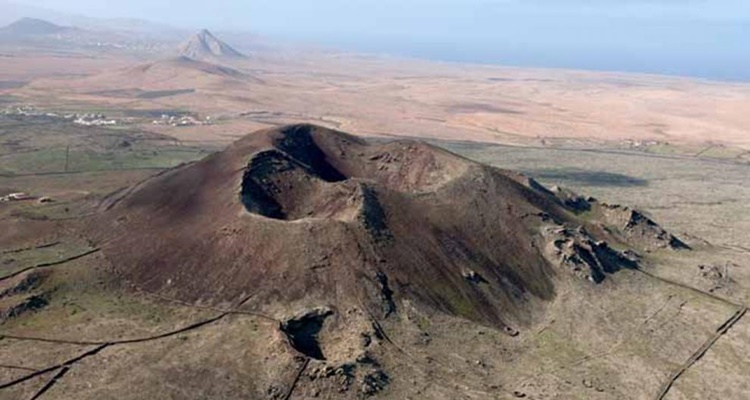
point(410, 15)
point(695, 37)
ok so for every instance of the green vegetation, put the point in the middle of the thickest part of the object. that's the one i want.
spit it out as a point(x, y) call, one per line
point(722, 152)
point(550, 345)
point(5, 99)
point(54, 160)
point(164, 93)
point(12, 84)
point(13, 260)
point(668, 149)
point(39, 145)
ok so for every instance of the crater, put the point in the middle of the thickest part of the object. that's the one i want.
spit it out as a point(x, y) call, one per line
point(302, 332)
point(277, 186)
point(307, 174)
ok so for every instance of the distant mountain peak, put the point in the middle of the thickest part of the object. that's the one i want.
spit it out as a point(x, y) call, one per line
point(204, 46)
point(33, 26)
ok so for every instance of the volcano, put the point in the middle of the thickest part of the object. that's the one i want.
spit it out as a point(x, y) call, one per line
point(204, 46)
point(306, 218)
point(302, 262)
point(33, 27)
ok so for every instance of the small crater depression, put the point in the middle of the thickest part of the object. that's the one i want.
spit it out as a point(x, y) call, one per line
point(302, 332)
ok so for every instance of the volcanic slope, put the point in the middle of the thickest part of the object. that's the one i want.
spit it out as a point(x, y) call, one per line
point(303, 216)
point(181, 69)
point(304, 263)
point(180, 73)
point(32, 27)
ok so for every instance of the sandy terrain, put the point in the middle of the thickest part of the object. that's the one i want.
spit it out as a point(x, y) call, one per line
point(372, 96)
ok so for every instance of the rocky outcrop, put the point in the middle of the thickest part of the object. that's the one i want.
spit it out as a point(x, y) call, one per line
point(578, 253)
point(640, 229)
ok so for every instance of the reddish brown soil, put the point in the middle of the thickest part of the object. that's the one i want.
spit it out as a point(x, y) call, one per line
point(307, 215)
